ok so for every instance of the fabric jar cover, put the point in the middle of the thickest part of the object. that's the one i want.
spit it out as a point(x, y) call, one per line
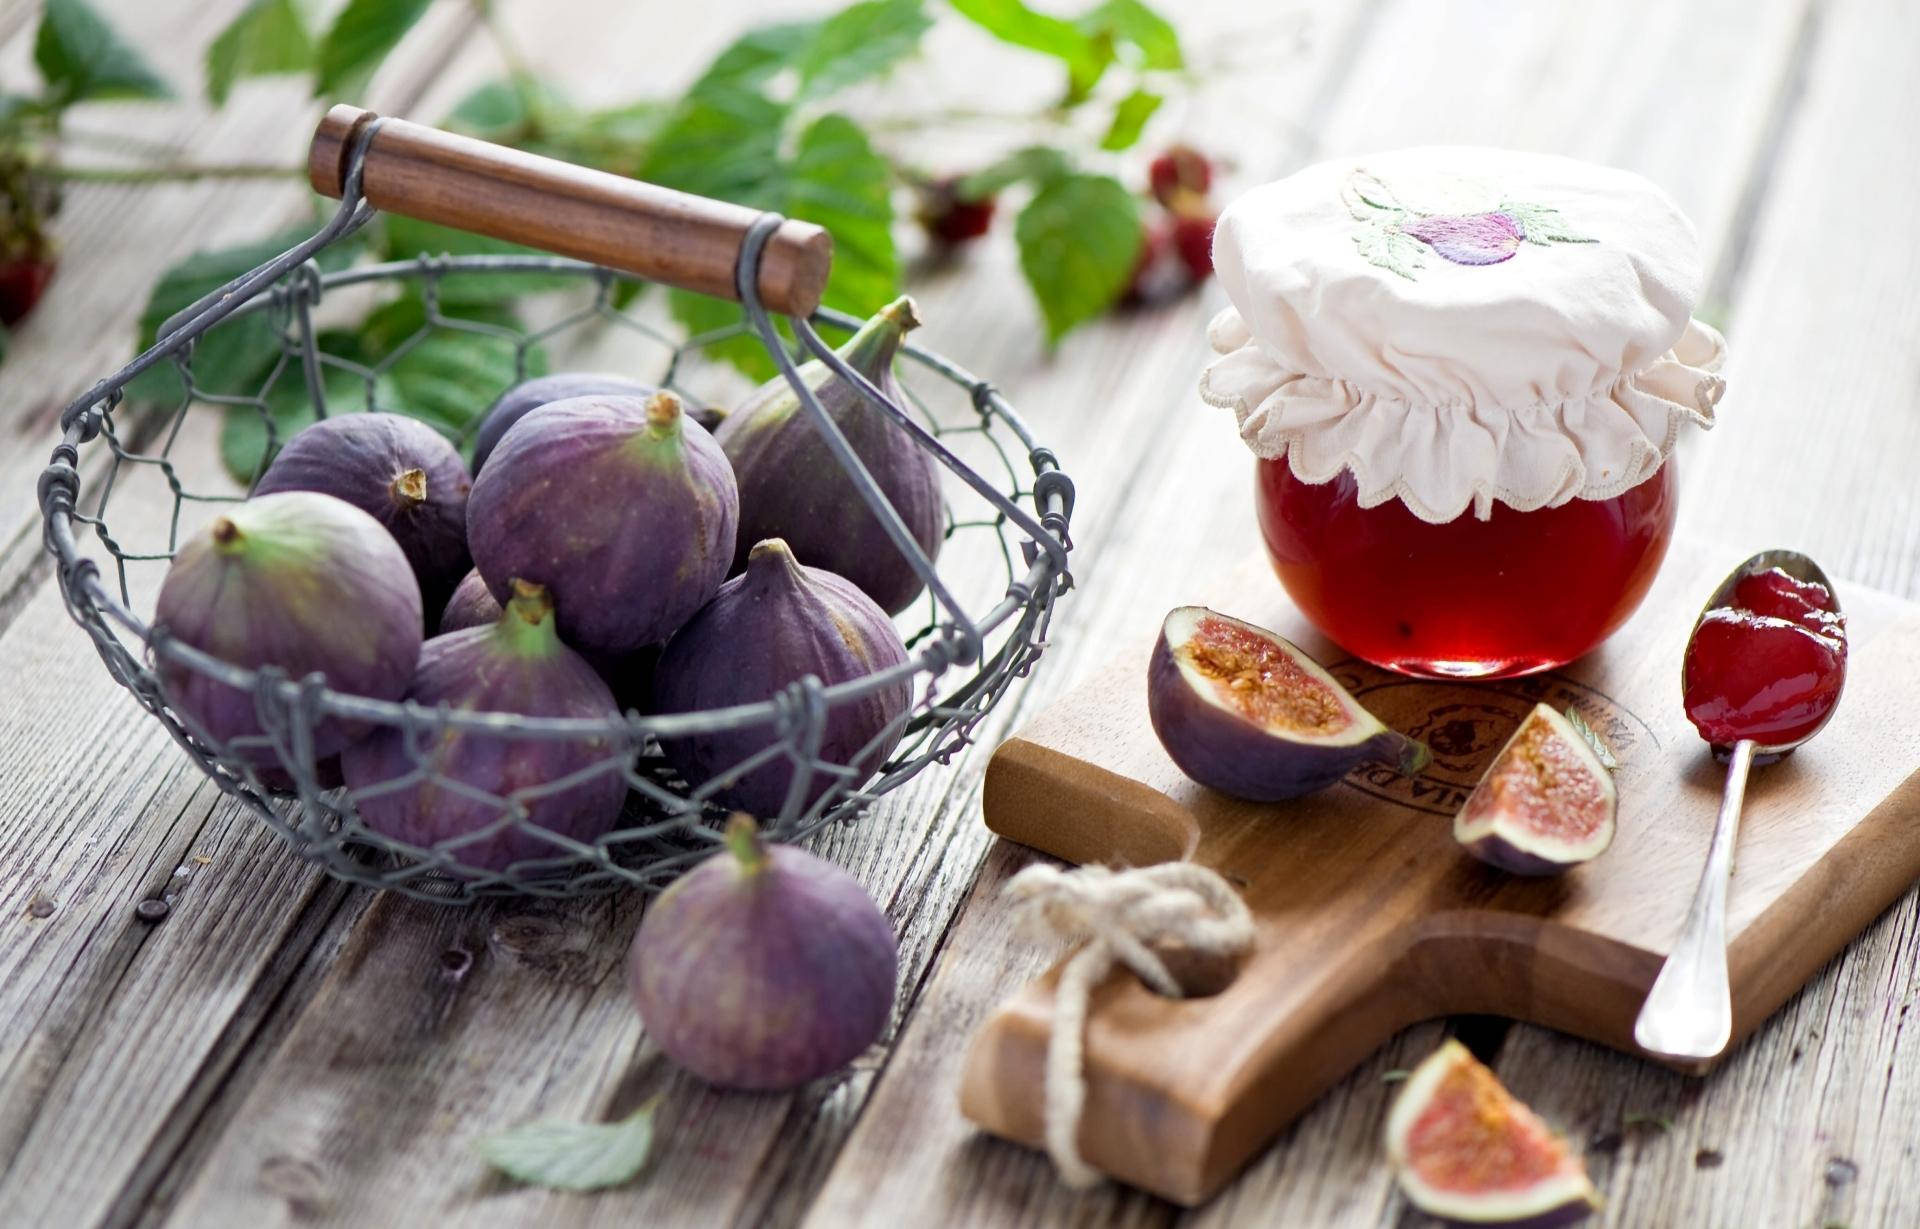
point(1459, 325)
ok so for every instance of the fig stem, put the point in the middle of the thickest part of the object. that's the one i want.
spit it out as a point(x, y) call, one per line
point(743, 842)
point(226, 534)
point(663, 411)
point(410, 488)
point(870, 351)
point(527, 603)
point(1412, 755)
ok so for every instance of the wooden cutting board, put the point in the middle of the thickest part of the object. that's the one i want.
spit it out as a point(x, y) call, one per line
point(1369, 916)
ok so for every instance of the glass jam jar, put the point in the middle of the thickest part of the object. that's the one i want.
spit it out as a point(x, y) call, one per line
point(1463, 372)
point(1514, 594)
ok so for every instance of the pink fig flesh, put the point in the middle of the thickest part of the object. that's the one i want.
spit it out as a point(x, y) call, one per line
point(1546, 803)
point(1466, 1150)
point(1241, 710)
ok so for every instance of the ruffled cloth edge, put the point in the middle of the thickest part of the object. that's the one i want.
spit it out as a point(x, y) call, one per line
point(1441, 460)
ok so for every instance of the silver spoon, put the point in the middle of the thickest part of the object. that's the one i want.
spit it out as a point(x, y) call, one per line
point(1689, 1012)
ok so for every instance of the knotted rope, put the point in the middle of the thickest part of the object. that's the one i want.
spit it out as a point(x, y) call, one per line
point(1120, 916)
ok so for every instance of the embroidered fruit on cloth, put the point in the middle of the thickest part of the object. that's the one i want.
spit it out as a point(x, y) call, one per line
point(1462, 373)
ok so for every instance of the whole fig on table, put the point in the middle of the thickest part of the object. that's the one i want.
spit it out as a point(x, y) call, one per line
point(763, 967)
point(529, 395)
point(625, 509)
point(1242, 710)
point(399, 471)
point(298, 580)
point(517, 665)
point(769, 627)
point(792, 487)
point(1465, 1150)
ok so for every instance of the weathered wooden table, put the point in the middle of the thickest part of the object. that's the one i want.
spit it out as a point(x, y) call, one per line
point(283, 1049)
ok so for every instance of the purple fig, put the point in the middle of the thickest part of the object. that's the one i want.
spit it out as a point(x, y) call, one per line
point(326, 775)
point(529, 395)
point(763, 968)
point(463, 804)
point(1545, 803)
point(472, 605)
point(1465, 1150)
point(399, 471)
point(624, 508)
point(1241, 710)
point(301, 581)
point(1469, 239)
point(629, 676)
point(791, 486)
point(771, 626)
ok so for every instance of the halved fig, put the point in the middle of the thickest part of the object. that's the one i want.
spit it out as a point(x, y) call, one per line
point(1465, 1150)
point(1545, 803)
point(1243, 711)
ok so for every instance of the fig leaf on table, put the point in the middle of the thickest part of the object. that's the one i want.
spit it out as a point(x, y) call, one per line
point(574, 1156)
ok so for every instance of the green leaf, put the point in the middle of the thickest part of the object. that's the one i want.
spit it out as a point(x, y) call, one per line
point(725, 144)
point(1130, 116)
point(574, 1156)
point(359, 39)
point(6, 339)
point(231, 359)
point(1542, 224)
point(448, 372)
point(497, 110)
point(837, 180)
point(1038, 165)
point(1393, 249)
point(704, 314)
point(861, 41)
point(751, 60)
point(244, 436)
point(1584, 728)
point(16, 104)
point(1079, 238)
point(82, 59)
point(1013, 22)
point(406, 238)
point(1133, 23)
point(269, 36)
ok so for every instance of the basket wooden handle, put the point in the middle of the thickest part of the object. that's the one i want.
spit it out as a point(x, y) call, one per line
point(662, 235)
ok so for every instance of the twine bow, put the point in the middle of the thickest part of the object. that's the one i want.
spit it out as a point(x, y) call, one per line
point(1120, 916)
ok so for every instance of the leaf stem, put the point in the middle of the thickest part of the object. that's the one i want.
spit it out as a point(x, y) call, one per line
point(173, 172)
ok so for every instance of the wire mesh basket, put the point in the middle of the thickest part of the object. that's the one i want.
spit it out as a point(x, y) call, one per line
point(980, 626)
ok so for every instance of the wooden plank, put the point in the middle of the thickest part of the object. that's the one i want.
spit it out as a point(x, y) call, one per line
point(1390, 98)
point(1810, 1121)
point(115, 1032)
point(729, 1159)
point(117, 239)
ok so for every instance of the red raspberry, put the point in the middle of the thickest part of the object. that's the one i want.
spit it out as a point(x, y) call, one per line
point(1181, 168)
point(949, 219)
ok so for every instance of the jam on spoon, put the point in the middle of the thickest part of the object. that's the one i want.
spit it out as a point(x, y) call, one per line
point(1762, 674)
point(1768, 664)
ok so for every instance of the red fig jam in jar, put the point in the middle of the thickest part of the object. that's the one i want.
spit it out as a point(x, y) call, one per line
point(1463, 373)
point(1513, 594)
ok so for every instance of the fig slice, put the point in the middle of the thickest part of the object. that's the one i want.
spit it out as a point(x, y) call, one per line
point(1545, 803)
point(1466, 1150)
point(1243, 711)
